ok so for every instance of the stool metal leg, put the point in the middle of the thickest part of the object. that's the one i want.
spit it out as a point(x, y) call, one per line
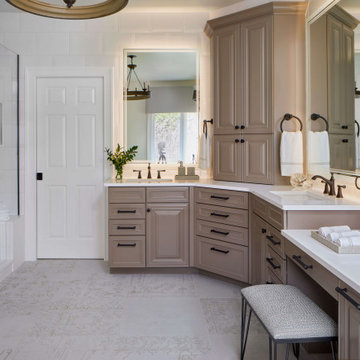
point(270, 349)
point(287, 351)
point(333, 350)
point(245, 326)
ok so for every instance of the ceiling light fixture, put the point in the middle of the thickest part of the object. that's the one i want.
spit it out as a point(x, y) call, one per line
point(136, 94)
point(70, 10)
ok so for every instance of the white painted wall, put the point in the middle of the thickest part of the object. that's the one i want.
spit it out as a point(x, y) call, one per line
point(51, 43)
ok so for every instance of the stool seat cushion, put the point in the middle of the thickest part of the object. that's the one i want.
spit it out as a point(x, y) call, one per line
point(288, 314)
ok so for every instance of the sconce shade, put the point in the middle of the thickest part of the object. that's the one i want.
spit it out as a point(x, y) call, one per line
point(68, 9)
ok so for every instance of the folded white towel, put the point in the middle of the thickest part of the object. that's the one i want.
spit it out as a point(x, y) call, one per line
point(325, 230)
point(348, 241)
point(319, 151)
point(337, 235)
point(291, 153)
point(204, 153)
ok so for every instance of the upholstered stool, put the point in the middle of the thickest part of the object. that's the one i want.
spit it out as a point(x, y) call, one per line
point(288, 316)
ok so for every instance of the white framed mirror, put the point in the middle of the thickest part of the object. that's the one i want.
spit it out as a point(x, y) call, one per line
point(161, 105)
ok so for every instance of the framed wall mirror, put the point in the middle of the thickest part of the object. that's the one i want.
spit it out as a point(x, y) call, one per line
point(333, 86)
point(161, 105)
point(9, 132)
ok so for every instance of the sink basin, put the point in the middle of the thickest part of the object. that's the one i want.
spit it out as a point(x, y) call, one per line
point(301, 196)
point(146, 180)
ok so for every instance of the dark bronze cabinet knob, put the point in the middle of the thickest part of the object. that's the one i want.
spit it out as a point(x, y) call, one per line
point(237, 127)
point(242, 127)
point(148, 210)
point(237, 140)
point(242, 141)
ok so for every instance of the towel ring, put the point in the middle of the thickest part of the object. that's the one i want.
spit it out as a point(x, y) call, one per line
point(318, 116)
point(356, 182)
point(358, 128)
point(205, 122)
point(288, 117)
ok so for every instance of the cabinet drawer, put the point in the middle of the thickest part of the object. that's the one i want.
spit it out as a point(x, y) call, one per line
point(275, 264)
point(222, 258)
point(275, 240)
point(316, 271)
point(271, 278)
point(127, 251)
point(126, 211)
point(166, 195)
point(126, 227)
point(130, 195)
point(233, 199)
point(222, 215)
point(222, 232)
point(268, 212)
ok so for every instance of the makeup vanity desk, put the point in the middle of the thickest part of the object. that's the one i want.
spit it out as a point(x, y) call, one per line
point(338, 275)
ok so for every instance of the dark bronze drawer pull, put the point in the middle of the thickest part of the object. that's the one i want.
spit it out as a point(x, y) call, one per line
point(271, 239)
point(126, 211)
point(126, 227)
point(269, 282)
point(219, 215)
point(220, 232)
point(126, 245)
point(219, 197)
point(270, 261)
point(344, 127)
point(221, 251)
point(345, 140)
point(298, 260)
point(343, 292)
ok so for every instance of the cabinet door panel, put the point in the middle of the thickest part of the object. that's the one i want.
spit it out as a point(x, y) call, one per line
point(349, 326)
point(227, 158)
point(225, 58)
point(342, 152)
point(256, 84)
point(257, 155)
point(167, 235)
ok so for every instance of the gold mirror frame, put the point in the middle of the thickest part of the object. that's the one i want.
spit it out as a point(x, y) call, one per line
point(41, 8)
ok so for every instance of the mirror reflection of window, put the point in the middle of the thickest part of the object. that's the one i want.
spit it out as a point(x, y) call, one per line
point(165, 126)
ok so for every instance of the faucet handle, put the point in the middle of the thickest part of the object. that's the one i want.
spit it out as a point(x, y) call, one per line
point(159, 173)
point(340, 193)
point(326, 189)
point(139, 173)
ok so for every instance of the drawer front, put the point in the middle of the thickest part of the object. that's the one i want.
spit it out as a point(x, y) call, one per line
point(316, 271)
point(232, 234)
point(222, 258)
point(126, 211)
point(166, 195)
point(275, 240)
point(127, 251)
point(233, 199)
point(276, 264)
point(271, 278)
point(126, 227)
point(268, 212)
point(131, 195)
point(222, 215)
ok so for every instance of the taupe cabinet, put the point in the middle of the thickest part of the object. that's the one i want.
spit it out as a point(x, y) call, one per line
point(167, 233)
point(221, 225)
point(349, 325)
point(148, 227)
point(251, 68)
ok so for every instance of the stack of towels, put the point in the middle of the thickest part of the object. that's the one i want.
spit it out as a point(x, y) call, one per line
point(341, 235)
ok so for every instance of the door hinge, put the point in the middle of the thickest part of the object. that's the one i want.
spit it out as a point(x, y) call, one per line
point(39, 176)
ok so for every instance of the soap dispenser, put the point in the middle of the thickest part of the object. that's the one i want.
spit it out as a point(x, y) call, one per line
point(181, 169)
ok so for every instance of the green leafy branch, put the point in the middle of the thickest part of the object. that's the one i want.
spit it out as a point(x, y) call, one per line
point(120, 157)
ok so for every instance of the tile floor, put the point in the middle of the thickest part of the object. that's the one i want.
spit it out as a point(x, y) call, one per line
point(76, 310)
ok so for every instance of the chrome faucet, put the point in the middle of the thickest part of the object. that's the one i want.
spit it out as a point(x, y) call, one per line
point(329, 184)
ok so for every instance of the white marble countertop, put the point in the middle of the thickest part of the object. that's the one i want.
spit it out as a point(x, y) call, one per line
point(317, 201)
point(344, 266)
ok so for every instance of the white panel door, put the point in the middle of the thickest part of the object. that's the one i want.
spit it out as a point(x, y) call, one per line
point(70, 154)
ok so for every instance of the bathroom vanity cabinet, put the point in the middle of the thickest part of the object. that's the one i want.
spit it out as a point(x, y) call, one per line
point(250, 60)
point(148, 227)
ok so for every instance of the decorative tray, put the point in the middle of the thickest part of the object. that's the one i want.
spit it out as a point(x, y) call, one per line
point(335, 247)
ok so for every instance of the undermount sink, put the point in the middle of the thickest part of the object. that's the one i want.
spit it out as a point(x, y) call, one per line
point(146, 180)
point(301, 196)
